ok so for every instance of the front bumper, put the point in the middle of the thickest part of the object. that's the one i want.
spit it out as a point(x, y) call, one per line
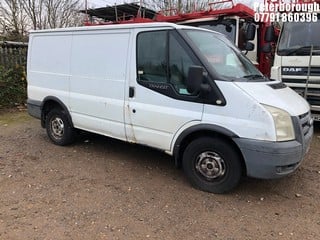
point(268, 160)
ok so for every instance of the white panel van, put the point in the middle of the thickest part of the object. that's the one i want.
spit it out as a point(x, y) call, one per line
point(186, 91)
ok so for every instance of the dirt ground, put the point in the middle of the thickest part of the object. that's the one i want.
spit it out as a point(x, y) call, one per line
point(100, 188)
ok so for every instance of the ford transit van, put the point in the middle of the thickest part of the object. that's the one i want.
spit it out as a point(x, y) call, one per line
point(186, 91)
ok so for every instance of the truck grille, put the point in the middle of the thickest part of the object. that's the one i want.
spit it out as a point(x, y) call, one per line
point(313, 95)
point(300, 71)
point(300, 80)
point(305, 122)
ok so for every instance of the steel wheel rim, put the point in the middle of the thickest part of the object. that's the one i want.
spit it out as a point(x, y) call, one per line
point(210, 165)
point(57, 127)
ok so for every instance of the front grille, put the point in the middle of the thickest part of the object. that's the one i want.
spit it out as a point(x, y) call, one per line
point(300, 71)
point(300, 80)
point(305, 122)
point(313, 95)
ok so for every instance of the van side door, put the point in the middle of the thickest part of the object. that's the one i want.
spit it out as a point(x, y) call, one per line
point(97, 81)
point(158, 103)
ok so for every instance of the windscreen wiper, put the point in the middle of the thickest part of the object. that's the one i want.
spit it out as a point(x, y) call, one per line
point(254, 76)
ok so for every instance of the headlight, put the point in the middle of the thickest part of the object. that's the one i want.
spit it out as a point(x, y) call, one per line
point(283, 123)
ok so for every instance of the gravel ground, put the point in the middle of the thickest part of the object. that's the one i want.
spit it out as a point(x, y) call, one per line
point(99, 188)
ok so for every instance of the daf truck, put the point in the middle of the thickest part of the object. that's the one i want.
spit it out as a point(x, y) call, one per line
point(297, 61)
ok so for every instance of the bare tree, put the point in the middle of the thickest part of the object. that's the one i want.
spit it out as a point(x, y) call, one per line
point(62, 13)
point(52, 13)
point(177, 6)
point(19, 16)
point(13, 20)
point(34, 11)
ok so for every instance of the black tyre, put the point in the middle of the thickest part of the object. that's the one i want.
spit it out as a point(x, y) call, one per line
point(59, 128)
point(212, 165)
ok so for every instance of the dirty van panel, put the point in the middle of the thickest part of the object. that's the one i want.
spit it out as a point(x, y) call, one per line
point(52, 60)
point(99, 60)
point(48, 66)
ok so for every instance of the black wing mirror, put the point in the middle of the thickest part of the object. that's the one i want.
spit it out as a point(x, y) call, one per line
point(195, 80)
point(250, 31)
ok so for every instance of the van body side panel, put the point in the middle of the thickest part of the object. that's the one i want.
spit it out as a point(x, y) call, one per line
point(48, 66)
point(98, 75)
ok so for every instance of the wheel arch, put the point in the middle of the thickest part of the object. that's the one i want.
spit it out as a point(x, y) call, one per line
point(52, 102)
point(204, 130)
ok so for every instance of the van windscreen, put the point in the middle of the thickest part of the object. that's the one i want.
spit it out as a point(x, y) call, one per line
point(226, 59)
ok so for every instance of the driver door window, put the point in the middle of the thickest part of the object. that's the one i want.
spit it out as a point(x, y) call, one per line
point(162, 58)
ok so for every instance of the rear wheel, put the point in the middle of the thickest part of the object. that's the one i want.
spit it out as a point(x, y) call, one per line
point(58, 127)
point(212, 165)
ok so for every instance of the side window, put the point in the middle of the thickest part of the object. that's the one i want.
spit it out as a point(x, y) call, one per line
point(179, 63)
point(152, 56)
point(162, 59)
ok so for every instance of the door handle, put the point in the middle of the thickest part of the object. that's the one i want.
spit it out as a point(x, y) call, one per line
point(131, 92)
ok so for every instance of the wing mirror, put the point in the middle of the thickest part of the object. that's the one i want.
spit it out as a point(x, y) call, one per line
point(195, 83)
point(269, 35)
point(250, 31)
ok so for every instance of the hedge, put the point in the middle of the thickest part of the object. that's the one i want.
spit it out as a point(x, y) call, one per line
point(13, 86)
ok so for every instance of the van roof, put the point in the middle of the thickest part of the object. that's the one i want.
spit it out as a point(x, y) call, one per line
point(114, 26)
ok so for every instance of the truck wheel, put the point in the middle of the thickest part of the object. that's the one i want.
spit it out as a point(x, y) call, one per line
point(58, 128)
point(212, 165)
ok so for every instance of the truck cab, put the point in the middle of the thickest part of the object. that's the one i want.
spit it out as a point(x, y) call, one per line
point(297, 61)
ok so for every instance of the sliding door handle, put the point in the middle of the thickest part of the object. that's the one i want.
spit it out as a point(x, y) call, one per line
point(131, 92)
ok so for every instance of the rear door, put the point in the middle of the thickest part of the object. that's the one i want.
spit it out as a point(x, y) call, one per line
point(158, 103)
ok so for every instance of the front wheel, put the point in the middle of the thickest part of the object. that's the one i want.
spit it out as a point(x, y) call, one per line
point(212, 165)
point(58, 128)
